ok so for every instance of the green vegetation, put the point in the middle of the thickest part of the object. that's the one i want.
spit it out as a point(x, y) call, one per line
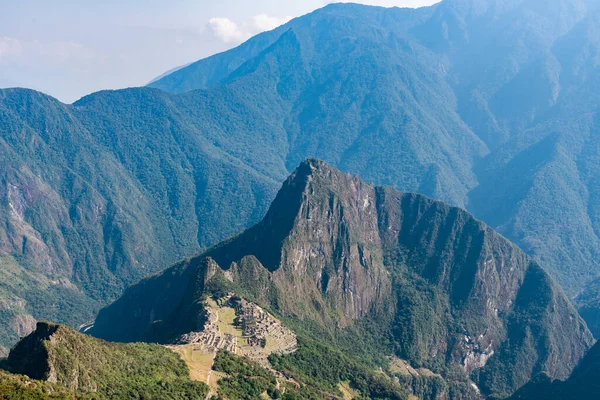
point(113, 370)
point(17, 387)
point(426, 275)
point(323, 368)
point(246, 380)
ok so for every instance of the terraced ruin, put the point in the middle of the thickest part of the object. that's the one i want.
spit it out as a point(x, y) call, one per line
point(239, 327)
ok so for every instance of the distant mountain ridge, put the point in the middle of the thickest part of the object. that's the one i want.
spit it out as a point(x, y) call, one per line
point(488, 105)
point(517, 75)
point(442, 287)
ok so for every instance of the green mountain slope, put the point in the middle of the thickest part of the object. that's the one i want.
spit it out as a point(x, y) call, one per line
point(519, 76)
point(437, 287)
point(85, 365)
point(582, 384)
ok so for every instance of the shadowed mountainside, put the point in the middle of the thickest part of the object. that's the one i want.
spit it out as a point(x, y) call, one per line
point(488, 105)
point(582, 384)
point(445, 289)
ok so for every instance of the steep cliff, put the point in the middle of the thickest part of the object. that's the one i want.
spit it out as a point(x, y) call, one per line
point(335, 251)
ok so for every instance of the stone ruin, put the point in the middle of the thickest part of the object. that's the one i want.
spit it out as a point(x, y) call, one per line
point(211, 338)
point(262, 330)
point(264, 334)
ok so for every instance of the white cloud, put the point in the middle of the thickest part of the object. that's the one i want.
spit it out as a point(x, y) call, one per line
point(263, 22)
point(228, 31)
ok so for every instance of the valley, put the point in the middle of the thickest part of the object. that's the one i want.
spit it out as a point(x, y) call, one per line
point(361, 203)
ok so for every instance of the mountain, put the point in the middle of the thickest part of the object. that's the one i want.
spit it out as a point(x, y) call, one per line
point(84, 365)
point(582, 384)
point(92, 202)
point(18, 387)
point(424, 281)
point(486, 104)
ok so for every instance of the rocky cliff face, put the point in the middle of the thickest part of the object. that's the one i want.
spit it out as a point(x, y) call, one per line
point(320, 243)
point(335, 250)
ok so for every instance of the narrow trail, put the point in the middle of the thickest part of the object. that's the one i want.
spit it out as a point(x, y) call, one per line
point(210, 391)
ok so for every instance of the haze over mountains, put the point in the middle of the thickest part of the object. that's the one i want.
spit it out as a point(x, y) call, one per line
point(487, 105)
point(388, 295)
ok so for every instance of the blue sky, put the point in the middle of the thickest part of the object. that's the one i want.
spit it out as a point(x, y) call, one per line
point(69, 48)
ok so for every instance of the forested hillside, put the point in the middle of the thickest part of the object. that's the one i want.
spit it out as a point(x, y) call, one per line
point(374, 273)
point(488, 105)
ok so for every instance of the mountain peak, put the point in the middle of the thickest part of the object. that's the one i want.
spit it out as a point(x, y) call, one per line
point(335, 250)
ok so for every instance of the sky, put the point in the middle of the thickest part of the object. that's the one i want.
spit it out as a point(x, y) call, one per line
point(70, 48)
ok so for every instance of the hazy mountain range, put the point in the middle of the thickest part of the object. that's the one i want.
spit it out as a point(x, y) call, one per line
point(486, 105)
point(385, 278)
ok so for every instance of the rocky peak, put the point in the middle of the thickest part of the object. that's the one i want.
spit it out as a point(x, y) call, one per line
point(30, 356)
point(333, 249)
point(320, 243)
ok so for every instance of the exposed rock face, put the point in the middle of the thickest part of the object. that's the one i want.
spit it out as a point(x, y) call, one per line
point(22, 324)
point(335, 250)
point(320, 243)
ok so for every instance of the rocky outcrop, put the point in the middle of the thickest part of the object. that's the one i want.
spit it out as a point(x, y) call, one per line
point(84, 365)
point(335, 250)
point(320, 243)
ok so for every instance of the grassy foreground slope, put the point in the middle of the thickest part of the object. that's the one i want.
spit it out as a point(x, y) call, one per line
point(86, 365)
